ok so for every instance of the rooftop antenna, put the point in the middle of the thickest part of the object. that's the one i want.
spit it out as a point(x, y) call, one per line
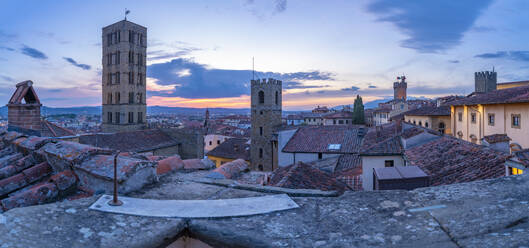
point(253, 68)
point(126, 13)
point(492, 68)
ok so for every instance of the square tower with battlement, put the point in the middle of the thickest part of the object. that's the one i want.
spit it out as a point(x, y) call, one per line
point(266, 99)
point(400, 88)
point(485, 81)
point(124, 67)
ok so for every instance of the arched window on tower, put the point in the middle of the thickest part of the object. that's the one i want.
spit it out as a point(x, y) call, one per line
point(277, 98)
point(261, 97)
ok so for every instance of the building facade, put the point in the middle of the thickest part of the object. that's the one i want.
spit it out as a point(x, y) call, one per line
point(485, 81)
point(124, 82)
point(266, 102)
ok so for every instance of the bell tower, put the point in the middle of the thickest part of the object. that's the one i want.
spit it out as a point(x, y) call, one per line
point(266, 100)
point(124, 65)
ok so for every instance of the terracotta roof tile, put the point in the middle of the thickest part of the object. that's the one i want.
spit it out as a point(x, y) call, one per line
point(495, 138)
point(304, 176)
point(233, 148)
point(510, 95)
point(230, 170)
point(128, 141)
point(313, 139)
point(430, 111)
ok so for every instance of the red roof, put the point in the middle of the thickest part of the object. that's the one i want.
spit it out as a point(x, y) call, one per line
point(313, 139)
point(304, 176)
point(339, 115)
point(510, 95)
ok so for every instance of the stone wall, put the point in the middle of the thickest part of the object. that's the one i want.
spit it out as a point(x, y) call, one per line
point(191, 142)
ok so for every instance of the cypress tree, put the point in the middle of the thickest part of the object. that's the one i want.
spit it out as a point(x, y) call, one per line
point(358, 111)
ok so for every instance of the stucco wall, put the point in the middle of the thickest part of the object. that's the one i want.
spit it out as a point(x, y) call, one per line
point(371, 162)
point(433, 121)
point(284, 159)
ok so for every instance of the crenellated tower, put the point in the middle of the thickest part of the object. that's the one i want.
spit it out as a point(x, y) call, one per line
point(399, 88)
point(266, 101)
point(485, 81)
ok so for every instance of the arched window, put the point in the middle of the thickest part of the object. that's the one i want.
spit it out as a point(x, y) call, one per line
point(261, 97)
point(260, 167)
point(426, 124)
point(441, 127)
point(420, 123)
point(277, 98)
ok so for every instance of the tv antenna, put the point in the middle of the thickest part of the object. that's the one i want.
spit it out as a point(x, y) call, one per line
point(126, 13)
point(253, 68)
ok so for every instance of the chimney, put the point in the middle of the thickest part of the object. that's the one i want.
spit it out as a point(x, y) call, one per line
point(398, 126)
point(24, 110)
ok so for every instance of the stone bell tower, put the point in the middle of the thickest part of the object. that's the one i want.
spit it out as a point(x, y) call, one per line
point(399, 88)
point(266, 98)
point(124, 65)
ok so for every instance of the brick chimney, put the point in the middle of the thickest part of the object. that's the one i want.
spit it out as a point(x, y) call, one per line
point(24, 110)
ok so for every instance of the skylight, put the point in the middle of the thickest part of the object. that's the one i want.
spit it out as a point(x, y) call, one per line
point(334, 146)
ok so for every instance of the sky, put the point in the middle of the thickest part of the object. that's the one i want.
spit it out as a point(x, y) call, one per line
point(200, 52)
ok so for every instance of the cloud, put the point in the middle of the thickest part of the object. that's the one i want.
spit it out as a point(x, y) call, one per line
point(34, 53)
point(200, 81)
point(74, 63)
point(7, 48)
point(453, 61)
point(352, 88)
point(264, 9)
point(432, 26)
point(160, 54)
point(512, 55)
point(372, 87)
point(6, 78)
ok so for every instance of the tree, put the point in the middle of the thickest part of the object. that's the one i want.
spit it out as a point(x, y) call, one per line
point(358, 111)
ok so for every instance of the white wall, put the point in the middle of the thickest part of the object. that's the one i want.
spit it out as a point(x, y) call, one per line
point(371, 162)
point(283, 137)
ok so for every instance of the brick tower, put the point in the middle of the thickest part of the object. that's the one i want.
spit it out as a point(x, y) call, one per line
point(24, 110)
point(485, 81)
point(124, 66)
point(399, 88)
point(266, 115)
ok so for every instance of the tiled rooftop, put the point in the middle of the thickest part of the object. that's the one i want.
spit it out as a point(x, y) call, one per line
point(233, 148)
point(510, 95)
point(133, 141)
point(430, 111)
point(311, 139)
point(339, 115)
point(304, 176)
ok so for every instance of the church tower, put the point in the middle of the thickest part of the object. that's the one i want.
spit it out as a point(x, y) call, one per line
point(124, 87)
point(266, 98)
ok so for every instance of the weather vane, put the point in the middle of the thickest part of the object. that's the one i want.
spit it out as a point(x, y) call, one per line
point(126, 13)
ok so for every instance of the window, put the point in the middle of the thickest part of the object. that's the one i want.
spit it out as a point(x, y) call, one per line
point(118, 98)
point(261, 131)
point(277, 98)
point(261, 112)
point(131, 57)
point(473, 117)
point(414, 122)
point(491, 119)
point(261, 97)
point(140, 98)
point(334, 122)
point(218, 142)
point(402, 106)
point(260, 167)
point(140, 117)
point(260, 152)
point(515, 171)
point(117, 118)
point(109, 117)
point(460, 116)
point(131, 77)
point(515, 120)
point(118, 57)
point(426, 124)
point(109, 98)
point(210, 143)
point(140, 79)
point(420, 123)
point(334, 146)
point(131, 97)
point(340, 121)
point(389, 163)
point(131, 117)
point(320, 155)
point(441, 127)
